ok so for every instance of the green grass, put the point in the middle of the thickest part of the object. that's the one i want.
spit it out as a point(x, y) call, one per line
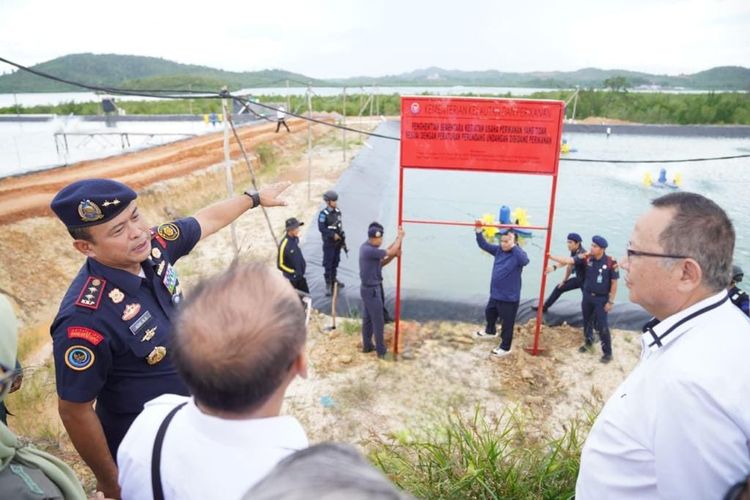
point(351, 326)
point(479, 457)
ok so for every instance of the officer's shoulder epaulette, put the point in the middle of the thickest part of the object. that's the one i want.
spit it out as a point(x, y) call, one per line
point(91, 293)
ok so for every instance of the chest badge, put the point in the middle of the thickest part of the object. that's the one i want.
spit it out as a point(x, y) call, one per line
point(149, 334)
point(160, 268)
point(130, 311)
point(156, 253)
point(156, 355)
point(116, 295)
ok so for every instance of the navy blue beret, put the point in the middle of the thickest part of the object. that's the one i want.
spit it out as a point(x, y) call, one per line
point(600, 241)
point(575, 237)
point(89, 202)
point(375, 230)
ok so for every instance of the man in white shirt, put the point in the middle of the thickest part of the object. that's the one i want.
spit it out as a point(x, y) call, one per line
point(281, 118)
point(679, 425)
point(238, 344)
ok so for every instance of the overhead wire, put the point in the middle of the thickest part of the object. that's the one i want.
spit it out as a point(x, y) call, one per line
point(227, 94)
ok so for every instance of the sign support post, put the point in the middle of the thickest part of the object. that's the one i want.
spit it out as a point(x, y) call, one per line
point(518, 136)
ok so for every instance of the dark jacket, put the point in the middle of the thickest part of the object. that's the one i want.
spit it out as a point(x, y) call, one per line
point(506, 271)
point(290, 259)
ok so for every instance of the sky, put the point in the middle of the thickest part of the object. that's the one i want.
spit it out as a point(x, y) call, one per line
point(344, 38)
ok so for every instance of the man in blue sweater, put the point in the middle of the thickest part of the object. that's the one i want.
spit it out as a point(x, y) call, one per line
point(505, 288)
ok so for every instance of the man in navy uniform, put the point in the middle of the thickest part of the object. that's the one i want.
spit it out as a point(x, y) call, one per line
point(738, 296)
point(599, 291)
point(111, 336)
point(505, 288)
point(290, 260)
point(574, 274)
point(332, 232)
point(372, 258)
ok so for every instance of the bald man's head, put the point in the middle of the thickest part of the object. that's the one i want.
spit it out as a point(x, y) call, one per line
point(237, 337)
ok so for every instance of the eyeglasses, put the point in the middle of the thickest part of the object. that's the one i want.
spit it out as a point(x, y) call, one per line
point(638, 253)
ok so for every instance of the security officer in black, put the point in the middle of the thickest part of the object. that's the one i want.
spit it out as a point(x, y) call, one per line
point(332, 232)
point(111, 336)
point(599, 291)
point(290, 260)
point(738, 296)
point(574, 273)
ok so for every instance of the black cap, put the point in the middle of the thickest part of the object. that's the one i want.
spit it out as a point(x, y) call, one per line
point(90, 202)
point(600, 241)
point(293, 223)
point(375, 230)
point(330, 195)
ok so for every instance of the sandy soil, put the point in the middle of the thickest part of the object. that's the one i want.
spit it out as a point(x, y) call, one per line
point(348, 396)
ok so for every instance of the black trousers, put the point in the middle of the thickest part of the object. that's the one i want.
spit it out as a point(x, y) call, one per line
point(572, 283)
point(280, 123)
point(331, 259)
point(372, 318)
point(592, 308)
point(506, 312)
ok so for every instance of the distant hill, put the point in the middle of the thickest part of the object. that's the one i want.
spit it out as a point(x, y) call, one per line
point(720, 78)
point(139, 72)
point(146, 73)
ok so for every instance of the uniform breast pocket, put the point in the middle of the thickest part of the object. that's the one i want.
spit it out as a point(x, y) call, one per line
point(145, 334)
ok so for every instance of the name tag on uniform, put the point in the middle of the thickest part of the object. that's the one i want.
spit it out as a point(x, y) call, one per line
point(138, 324)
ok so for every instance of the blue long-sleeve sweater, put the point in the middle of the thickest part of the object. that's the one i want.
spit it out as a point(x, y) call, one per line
point(506, 271)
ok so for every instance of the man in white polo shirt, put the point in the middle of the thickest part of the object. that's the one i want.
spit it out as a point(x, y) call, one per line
point(679, 425)
point(238, 343)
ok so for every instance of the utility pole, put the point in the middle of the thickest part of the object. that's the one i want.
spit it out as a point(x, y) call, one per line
point(372, 93)
point(228, 170)
point(343, 122)
point(309, 140)
point(288, 97)
point(190, 88)
point(575, 103)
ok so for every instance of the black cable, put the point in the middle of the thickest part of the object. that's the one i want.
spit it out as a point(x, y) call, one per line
point(688, 160)
point(226, 94)
point(341, 127)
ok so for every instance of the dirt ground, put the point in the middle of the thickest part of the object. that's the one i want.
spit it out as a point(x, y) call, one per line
point(348, 396)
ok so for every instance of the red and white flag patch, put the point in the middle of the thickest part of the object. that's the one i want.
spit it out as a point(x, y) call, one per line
point(81, 332)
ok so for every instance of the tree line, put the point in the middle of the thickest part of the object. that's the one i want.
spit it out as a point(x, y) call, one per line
point(729, 108)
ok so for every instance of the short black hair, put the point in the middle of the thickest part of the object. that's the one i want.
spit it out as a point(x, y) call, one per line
point(81, 233)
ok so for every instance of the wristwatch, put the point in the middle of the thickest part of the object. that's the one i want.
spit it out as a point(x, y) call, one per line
point(255, 196)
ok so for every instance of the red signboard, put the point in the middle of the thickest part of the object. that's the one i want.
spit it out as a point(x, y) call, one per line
point(499, 135)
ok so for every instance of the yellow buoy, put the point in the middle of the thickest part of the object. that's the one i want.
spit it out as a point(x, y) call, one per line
point(678, 179)
point(489, 231)
point(647, 179)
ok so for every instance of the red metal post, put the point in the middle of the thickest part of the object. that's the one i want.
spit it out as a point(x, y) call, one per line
point(397, 321)
point(545, 258)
